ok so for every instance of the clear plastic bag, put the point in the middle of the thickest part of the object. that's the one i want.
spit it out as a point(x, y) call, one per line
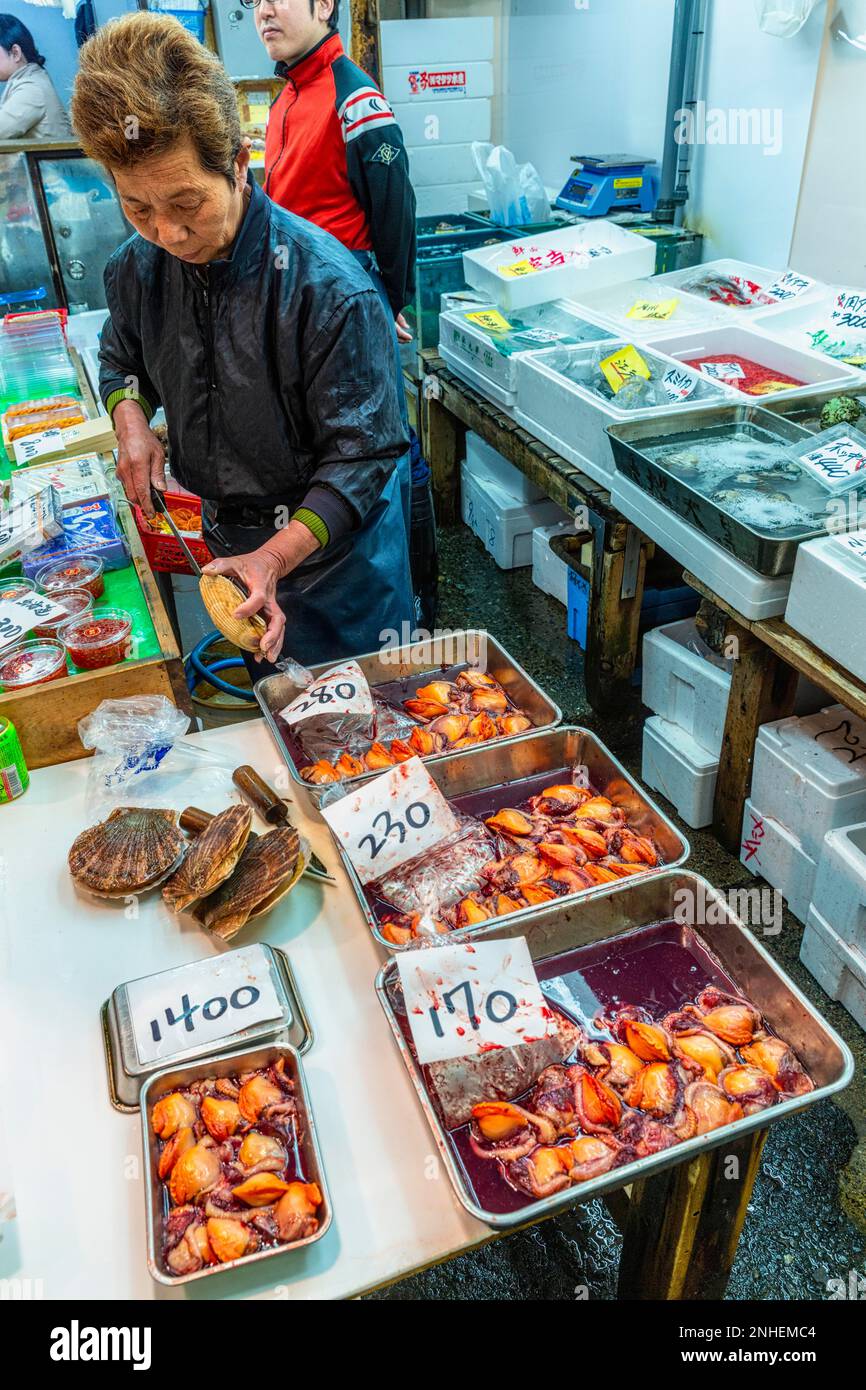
point(783, 18)
point(441, 876)
point(325, 735)
point(515, 192)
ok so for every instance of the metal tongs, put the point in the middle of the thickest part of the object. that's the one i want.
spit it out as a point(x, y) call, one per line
point(158, 501)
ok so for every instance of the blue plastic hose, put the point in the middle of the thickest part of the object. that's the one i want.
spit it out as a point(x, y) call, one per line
point(197, 670)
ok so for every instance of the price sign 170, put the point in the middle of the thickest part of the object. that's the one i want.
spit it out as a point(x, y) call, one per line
point(390, 820)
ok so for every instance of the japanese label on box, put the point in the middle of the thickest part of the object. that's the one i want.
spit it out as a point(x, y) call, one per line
point(679, 383)
point(788, 286)
point(850, 310)
point(855, 543)
point(515, 269)
point(35, 446)
point(179, 1010)
point(540, 335)
point(465, 1000)
point(20, 615)
point(721, 371)
point(838, 458)
point(491, 319)
point(622, 364)
point(344, 690)
point(652, 309)
point(390, 820)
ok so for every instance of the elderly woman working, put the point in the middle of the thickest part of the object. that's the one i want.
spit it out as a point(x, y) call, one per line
point(260, 336)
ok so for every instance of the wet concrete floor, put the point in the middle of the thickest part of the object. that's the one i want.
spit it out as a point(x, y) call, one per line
point(806, 1223)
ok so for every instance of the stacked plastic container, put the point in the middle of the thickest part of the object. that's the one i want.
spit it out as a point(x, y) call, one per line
point(501, 505)
point(834, 942)
point(34, 361)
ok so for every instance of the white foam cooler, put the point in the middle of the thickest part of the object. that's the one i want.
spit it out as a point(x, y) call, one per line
point(840, 888)
point(839, 968)
point(814, 370)
point(562, 264)
point(504, 524)
point(476, 378)
point(549, 570)
point(752, 594)
point(772, 851)
point(827, 602)
point(676, 765)
point(614, 304)
point(576, 417)
point(759, 275)
point(487, 465)
point(803, 774)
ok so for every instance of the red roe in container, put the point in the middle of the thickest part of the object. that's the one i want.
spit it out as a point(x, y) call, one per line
point(75, 602)
point(756, 379)
point(72, 572)
point(32, 663)
point(10, 589)
point(101, 637)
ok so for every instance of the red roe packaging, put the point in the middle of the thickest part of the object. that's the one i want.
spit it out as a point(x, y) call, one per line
point(32, 663)
point(101, 637)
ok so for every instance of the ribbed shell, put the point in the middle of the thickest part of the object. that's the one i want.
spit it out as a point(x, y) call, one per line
point(211, 858)
point(266, 865)
point(133, 849)
point(221, 596)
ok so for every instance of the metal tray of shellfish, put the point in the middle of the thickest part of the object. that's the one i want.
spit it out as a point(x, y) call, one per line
point(728, 471)
point(485, 780)
point(805, 411)
point(395, 673)
point(643, 941)
point(308, 1153)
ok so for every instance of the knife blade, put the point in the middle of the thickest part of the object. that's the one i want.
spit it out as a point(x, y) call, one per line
point(159, 504)
point(271, 808)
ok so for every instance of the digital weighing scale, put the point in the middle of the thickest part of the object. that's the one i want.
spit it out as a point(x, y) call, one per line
point(610, 183)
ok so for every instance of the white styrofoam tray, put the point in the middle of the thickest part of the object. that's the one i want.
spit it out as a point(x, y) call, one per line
point(798, 319)
point(549, 570)
point(579, 416)
point(811, 368)
point(597, 253)
point(481, 349)
point(839, 968)
point(840, 888)
point(471, 374)
point(502, 523)
point(827, 602)
point(752, 594)
point(770, 850)
point(809, 773)
point(446, 41)
point(674, 764)
point(613, 303)
point(726, 265)
point(456, 121)
point(598, 471)
point(485, 463)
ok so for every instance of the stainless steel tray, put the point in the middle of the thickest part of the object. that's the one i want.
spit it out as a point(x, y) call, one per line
point(414, 664)
point(805, 411)
point(126, 1075)
point(498, 766)
point(576, 922)
point(245, 1059)
point(766, 554)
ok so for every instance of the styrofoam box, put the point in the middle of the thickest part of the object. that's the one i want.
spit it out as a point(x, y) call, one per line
point(580, 417)
point(612, 304)
point(690, 685)
point(486, 464)
point(432, 83)
point(469, 342)
point(811, 368)
point(676, 765)
point(549, 570)
point(840, 888)
point(839, 968)
point(441, 197)
point(455, 122)
point(758, 274)
point(601, 253)
point(803, 775)
point(419, 41)
point(503, 524)
point(434, 163)
point(770, 850)
point(827, 603)
point(468, 373)
point(796, 318)
point(752, 594)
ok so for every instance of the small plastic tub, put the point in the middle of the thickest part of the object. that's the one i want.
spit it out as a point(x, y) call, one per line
point(101, 637)
point(76, 602)
point(72, 572)
point(16, 588)
point(33, 663)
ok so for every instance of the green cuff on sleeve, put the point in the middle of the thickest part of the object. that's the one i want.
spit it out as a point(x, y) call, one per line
point(313, 523)
point(124, 394)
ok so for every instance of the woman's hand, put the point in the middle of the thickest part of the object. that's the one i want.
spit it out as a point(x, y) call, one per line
point(404, 333)
point(140, 455)
point(258, 571)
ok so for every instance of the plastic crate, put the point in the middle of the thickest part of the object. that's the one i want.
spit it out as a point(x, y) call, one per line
point(162, 550)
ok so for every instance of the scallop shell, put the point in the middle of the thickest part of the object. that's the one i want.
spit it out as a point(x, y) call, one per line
point(266, 867)
point(221, 596)
point(211, 859)
point(133, 849)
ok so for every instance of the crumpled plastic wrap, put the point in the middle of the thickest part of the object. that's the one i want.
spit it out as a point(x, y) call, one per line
point(441, 876)
point(734, 290)
point(328, 735)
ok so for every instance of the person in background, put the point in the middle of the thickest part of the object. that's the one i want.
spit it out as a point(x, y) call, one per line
point(30, 108)
point(334, 154)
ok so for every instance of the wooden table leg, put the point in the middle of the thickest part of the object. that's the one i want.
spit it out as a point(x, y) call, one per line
point(618, 568)
point(763, 688)
point(444, 443)
point(683, 1225)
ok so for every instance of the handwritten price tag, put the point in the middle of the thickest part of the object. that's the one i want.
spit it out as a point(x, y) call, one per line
point(678, 383)
point(722, 371)
point(462, 1000)
point(652, 309)
point(182, 1009)
point(541, 335)
point(491, 319)
point(855, 543)
point(344, 690)
point(838, 460)
point(849, 310)
point(789, 286)
point(20, 615)
point(391, 819)
point(515, 269)
point(621, 365)
point(34, 446)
